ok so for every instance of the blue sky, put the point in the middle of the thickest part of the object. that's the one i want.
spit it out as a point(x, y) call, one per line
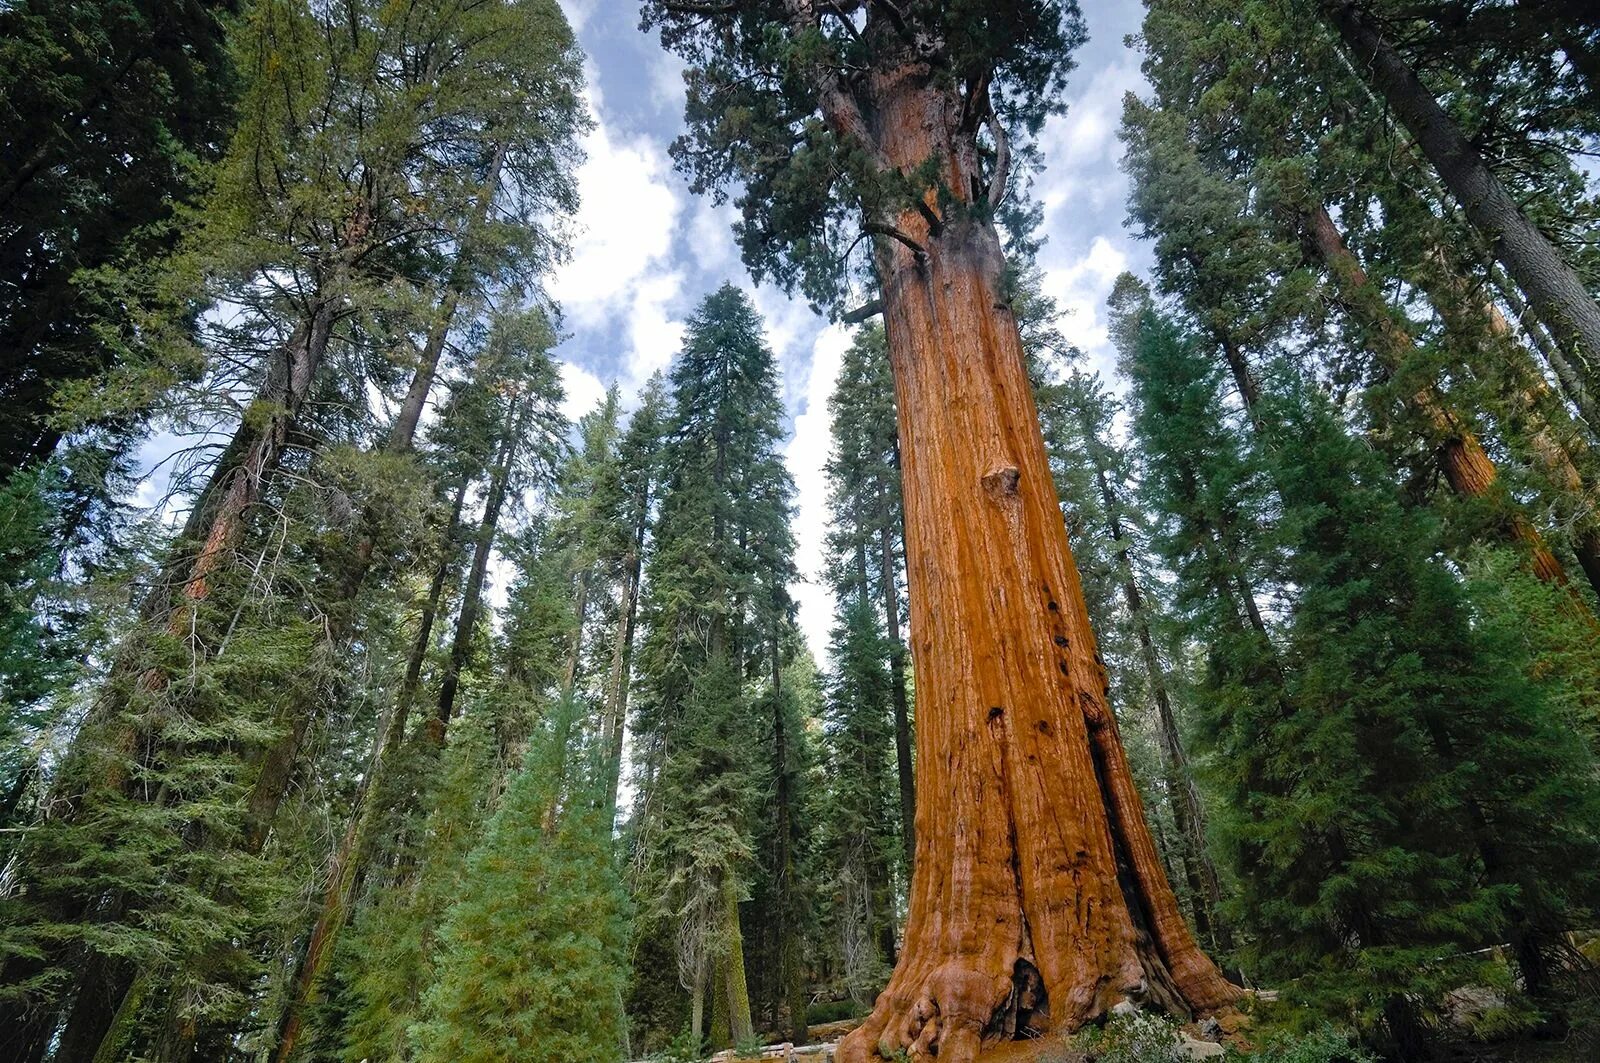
point(646, 250)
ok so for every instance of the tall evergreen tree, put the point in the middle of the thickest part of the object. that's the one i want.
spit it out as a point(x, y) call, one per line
point(866, 541)
point(899, 122)
point(112, 111)
point(713, 611)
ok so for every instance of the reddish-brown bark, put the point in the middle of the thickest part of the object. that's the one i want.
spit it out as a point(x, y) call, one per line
point(1462, 460)
point(1038, 899)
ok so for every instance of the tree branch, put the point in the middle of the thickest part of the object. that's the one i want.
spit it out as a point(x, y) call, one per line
point(692, 7)
point(871, 308)
point(880, 229)
point(999, 181)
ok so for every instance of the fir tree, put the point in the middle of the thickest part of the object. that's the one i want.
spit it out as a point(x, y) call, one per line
point(713, 611)
point(530, 955)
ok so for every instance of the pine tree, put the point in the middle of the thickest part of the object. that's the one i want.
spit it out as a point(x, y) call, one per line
point(1295, 172)
point(1559, 295)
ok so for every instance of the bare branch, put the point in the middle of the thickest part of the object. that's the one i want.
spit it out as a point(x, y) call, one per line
point(870, 309)
point(879, 229)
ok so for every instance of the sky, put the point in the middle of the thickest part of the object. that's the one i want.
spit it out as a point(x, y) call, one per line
point(647, 250)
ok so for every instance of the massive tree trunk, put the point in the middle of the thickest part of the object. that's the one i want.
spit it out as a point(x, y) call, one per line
point(1556, 291)
point(1462, 460)
point(1034, 863)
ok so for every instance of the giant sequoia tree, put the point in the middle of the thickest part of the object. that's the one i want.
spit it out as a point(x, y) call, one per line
point(899, 122)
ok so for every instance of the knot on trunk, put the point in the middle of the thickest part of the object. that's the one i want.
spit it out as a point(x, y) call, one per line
point(1002, 483)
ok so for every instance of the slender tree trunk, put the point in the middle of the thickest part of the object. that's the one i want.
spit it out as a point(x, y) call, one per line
point(740, 1026)
point(1033, 853)
point(697, 1005)
point(616, 718)
point(622, 660)
point(1479, 324)
point(889, 587)
point(412, 682)
point(791, 984)
point(1462, 460)
point(344, 871)
point(1559, 296)
point(1187, 812)
point(569, 692)
point(472, 595)
point(1572, 385)
point(404, 431)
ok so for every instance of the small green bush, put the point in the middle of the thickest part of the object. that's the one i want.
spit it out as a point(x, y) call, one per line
point(1141, 1037)
point(1323, 1044)
point(833, 1011)
point(684, 1048)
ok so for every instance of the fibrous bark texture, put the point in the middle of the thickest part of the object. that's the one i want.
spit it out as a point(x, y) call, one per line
point(1038, 898)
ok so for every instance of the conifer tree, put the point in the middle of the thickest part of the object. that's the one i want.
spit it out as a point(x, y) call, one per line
point(866, 541)
point(530, 954)
point(1565, 305)
point(112, 112)
point(1233, 221)
point(899, 122)
point(626, 503)
point(860, 853)
point(712, 613)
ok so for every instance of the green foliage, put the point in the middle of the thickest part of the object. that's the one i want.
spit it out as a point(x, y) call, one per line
point(767, 82)
point(716, 746)
point(1139, 1037)
point(111, 111)
point(529, 963)
point(1324, 1043)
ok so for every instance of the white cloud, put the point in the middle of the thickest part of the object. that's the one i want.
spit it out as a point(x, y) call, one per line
point(583, 390)
point(653, 333)
point(624, 226)
point(621, 269)
point(1080, 290)
point(666, 81)
point(807, 451)
point(579, 12)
